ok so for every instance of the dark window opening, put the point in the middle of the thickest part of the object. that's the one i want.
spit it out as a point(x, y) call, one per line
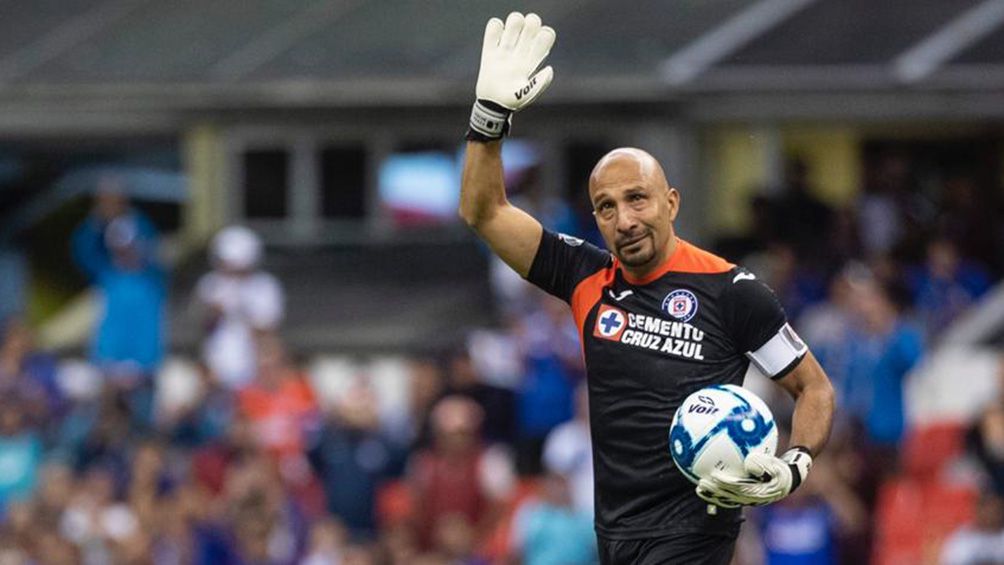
point(266, 183)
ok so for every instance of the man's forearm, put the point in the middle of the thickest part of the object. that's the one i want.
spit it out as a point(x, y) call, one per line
point(482, 187)
point(813, 417)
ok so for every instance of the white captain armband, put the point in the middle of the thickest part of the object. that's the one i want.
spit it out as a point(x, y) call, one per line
point(779, 353)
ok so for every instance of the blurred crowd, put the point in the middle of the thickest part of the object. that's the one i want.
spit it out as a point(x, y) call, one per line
point(247, 455)
point(872, 288)
point(480, 453)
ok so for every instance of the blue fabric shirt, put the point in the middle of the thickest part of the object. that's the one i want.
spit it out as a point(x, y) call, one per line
point(132, 321)
point(20, 460)
point(351, 464)
point(801, 535)
point(877, 367)
point(939, 301)
point(554, 535)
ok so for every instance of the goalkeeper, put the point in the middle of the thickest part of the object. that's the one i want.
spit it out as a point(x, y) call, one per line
point(658, 318)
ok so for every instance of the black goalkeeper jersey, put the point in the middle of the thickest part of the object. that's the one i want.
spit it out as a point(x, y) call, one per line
point(697, 320)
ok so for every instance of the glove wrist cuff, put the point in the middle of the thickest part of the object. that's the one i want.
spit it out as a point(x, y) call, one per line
point(799, 459)
point(489, 121)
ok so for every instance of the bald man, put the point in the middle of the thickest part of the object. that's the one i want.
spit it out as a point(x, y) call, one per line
point(659, 318)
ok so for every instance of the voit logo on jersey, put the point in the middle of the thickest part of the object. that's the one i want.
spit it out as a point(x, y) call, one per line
point(668, 337)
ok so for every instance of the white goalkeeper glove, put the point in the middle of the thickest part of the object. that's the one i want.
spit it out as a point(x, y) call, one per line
point(507, 82)
point(770, 479)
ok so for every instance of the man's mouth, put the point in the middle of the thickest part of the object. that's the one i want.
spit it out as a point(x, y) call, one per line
point(632, 241)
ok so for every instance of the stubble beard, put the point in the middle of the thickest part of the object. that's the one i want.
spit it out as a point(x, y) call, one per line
point(640, 258)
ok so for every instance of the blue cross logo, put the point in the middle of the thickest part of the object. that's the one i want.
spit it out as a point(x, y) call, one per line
point(610, 322)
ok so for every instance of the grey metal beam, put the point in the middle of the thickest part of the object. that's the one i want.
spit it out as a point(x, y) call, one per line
point(926, 56)
point(713, 46)
point(277, 40)
point(65, 37)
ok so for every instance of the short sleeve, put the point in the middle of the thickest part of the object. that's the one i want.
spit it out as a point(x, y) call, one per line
point(758, 325)
point(562, 261)
point(265, 303)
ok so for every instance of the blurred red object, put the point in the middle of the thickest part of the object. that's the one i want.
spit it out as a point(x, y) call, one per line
point(394, 505)
point(497, 546)
point(917, 509)
point(928, 449)
point(913, 519)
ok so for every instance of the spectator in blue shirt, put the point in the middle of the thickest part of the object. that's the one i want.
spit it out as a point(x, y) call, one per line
point(20, 455)
point(550, 531)
point(116, 248)
point(352, 457)
point(945, 286)
point(883, 350)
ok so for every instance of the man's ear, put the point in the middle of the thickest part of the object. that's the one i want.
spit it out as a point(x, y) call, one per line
point(673, 198)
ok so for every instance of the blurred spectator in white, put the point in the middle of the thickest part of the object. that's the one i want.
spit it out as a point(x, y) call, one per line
point(495, 355)
point(95, 520)
point(549, 530)
point(458, 473)
point(944, 286)
point(351, 456)
point(327, 543)
point(568, 453)
point(982, 541)
point(241, 303)
point(427, 383)
point(116, 247)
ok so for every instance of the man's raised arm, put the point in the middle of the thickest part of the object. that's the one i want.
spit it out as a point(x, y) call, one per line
point(507, 82)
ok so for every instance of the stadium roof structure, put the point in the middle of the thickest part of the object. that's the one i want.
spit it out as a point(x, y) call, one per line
point(182, 55)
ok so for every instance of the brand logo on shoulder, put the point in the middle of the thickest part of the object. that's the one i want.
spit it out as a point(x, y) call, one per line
point(621, 296)
point(610, 323)
point(743, 276)
point(570, 240)
point(680, 304)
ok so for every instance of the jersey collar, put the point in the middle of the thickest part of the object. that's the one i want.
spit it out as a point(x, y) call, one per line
point(672, 263)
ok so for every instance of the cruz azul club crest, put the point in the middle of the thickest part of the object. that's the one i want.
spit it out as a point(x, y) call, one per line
point(681, 304)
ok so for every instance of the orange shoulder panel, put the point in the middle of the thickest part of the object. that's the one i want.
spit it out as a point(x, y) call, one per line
point(587, 293)
point(687, 258)
point(693, 259)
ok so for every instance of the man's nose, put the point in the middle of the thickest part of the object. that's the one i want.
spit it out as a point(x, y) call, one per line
point(626, 220)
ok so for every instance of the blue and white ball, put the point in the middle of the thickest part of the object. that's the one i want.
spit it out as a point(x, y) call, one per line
point(717, 427)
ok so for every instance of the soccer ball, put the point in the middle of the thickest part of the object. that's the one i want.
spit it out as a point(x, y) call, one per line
point(716, 428)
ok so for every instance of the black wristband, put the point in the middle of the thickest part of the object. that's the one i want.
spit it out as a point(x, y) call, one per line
point(489, 121)
point(796, 473)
